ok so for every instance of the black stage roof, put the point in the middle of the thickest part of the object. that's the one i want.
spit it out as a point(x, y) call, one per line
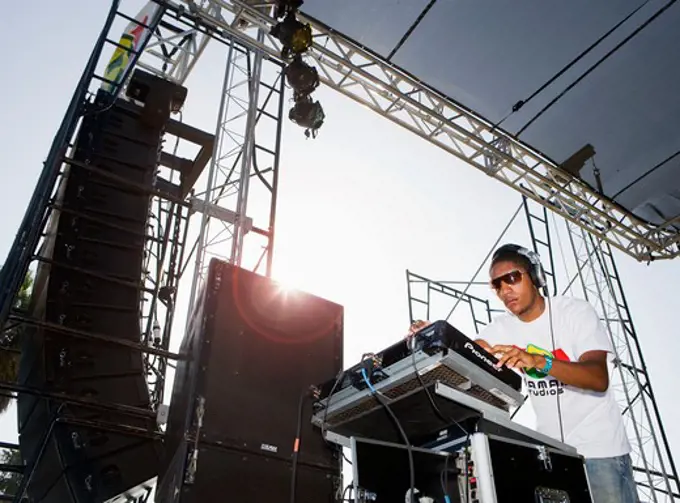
point(487, 55)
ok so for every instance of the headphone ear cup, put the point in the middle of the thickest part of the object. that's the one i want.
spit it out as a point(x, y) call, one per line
point(540, 279)
point(537, 273)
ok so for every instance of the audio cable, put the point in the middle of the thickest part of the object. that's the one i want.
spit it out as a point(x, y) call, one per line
point(409, 447)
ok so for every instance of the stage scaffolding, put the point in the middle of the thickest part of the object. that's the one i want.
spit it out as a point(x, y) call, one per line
point(244, 167)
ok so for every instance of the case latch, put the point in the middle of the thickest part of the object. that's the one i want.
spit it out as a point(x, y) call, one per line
point(544, 456)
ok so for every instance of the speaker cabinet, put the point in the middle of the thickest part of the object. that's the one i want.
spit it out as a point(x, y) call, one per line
point(255, 350)
point(90, 283)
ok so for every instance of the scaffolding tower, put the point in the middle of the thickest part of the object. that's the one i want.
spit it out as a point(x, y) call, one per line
point(244, 167)
point(653, 464)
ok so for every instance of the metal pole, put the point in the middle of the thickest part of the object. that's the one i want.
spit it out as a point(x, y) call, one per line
point(408, 292)
point(275, 180)
point(14, 270)
point(202, 235)
point(246, 159)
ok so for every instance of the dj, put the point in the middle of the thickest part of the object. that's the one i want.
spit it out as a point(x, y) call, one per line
point(561, 348)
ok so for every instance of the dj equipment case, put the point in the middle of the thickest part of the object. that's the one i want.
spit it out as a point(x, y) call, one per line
point(512, 471)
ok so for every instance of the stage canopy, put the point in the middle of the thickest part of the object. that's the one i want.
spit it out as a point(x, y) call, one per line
point(488, 55)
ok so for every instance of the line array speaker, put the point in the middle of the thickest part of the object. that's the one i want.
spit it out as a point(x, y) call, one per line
point(89, 280)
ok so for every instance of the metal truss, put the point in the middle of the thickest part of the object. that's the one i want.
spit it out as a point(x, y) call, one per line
point(243, 169)
point(364, 77)
point(246, 160)
point(173, 50)
point(30, 231)
point(243, 174)
point(655, 471)
point(428, 298)
point(164, 253)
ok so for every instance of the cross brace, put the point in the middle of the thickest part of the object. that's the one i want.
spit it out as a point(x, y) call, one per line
point(359, 74)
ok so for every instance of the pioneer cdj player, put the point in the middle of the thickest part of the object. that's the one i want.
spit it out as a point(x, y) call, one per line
point(440, 336)
point(405, 374)
point(437, 338)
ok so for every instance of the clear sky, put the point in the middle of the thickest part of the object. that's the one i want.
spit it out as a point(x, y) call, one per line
point(358, 206)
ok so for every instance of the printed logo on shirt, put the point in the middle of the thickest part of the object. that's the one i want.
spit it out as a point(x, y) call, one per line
point(538, 385)
point(545, 387)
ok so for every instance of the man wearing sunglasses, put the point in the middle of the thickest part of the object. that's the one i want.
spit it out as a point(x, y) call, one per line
point(561, 348)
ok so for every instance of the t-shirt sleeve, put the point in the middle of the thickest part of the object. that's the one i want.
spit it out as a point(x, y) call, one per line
point(589, 332)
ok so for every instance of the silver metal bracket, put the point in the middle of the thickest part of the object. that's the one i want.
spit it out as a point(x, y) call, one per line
point(544, 456)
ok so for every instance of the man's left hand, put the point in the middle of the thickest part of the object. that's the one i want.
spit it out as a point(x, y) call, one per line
point(514, 358)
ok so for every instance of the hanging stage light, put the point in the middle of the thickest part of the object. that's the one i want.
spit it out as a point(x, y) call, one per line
point(284, 7)
point(307, 114)
point(296, 37)
point(302, 77)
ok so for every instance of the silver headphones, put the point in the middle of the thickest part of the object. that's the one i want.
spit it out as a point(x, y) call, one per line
point(536, 272)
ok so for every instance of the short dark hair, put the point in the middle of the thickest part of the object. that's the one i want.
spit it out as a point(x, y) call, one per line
point(511, 256)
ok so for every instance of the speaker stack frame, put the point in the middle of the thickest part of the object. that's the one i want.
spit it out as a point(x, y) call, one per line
point(87, 416)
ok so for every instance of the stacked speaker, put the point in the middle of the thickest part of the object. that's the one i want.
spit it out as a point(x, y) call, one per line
point(89, 283)
point(240, 399)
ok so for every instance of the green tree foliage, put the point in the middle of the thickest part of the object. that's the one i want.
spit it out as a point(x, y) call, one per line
point(9, 343)
point(9, 370)
point(10, 481)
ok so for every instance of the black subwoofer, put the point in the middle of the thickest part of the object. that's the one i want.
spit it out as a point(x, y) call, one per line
point(254, 350)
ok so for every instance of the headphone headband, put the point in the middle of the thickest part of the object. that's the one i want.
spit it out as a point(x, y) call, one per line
point(536, 272)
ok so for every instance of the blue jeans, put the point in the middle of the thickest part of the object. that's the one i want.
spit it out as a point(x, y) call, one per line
point(611, 480)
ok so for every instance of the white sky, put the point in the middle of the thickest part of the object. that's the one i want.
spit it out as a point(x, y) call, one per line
point(358, 206)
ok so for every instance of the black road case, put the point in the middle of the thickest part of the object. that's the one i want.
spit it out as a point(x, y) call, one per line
point(513, 471)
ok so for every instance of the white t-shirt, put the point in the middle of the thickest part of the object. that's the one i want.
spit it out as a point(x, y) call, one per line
point(591, 421)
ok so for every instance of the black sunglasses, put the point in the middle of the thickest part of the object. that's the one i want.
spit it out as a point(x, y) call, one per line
point(511, 278)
